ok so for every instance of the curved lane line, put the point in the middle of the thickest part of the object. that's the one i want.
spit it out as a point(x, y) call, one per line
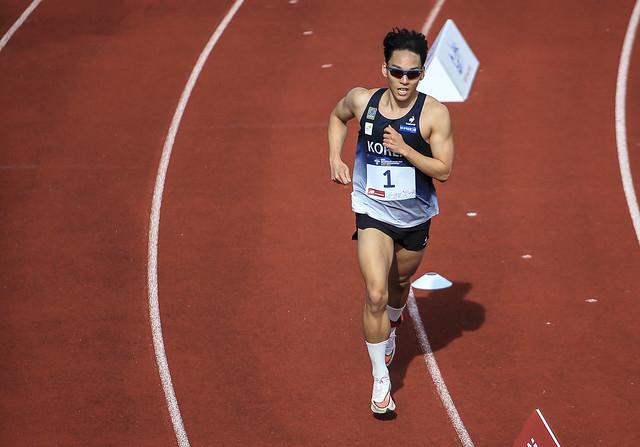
point(34, 4)
point(429, 357)
point(621, 119)
point(154, 224)
point(432, 17)
point(432, 366)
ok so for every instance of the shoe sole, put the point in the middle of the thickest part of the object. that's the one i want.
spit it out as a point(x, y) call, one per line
point(379, 410)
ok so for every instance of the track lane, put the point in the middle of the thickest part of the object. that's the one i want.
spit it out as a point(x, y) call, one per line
point(544, 183)
point(88, 92)
point(266, 165)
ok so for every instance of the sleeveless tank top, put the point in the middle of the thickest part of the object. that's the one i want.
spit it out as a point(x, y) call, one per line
point(386, 186)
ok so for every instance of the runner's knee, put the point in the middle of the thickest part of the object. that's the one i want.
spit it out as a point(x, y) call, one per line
point(377, 300)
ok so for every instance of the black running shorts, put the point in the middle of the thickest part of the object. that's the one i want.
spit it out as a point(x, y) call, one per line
point(413, 238)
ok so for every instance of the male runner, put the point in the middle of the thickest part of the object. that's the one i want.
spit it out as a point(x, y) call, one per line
point(404, 143)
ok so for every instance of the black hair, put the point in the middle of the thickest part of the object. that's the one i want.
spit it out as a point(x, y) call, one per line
point(403, 39)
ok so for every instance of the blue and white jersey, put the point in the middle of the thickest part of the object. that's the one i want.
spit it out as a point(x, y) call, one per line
point(386, 186)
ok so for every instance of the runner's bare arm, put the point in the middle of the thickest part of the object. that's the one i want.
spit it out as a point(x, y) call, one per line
point(347, 108)
point(437, 121)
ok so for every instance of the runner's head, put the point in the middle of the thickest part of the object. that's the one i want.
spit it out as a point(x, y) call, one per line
point(405, 53)
point(403, 39)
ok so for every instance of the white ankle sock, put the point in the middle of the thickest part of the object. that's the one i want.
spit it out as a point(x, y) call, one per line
point(376, 354)
point(394, 314)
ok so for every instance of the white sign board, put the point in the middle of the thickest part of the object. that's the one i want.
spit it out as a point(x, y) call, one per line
point(450, 68)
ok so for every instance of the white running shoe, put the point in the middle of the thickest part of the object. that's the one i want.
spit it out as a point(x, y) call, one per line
point(381, 401)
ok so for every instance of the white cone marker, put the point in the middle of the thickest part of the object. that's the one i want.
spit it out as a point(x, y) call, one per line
point(431, 281)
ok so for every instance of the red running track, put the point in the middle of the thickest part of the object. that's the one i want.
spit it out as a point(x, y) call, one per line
point(260, 295)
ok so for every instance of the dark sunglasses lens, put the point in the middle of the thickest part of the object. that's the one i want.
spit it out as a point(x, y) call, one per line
point(411, 74)
point(396, 73)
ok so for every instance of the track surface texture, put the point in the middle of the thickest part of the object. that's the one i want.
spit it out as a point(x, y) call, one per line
point(259, 291)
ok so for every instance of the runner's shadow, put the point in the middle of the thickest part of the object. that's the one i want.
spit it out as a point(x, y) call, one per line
point(445, 314)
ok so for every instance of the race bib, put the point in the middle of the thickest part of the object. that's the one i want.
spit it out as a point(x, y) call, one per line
point(389, 179)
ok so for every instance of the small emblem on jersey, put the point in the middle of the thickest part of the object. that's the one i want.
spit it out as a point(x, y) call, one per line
point(410, 129)
point(368, 128)
point(371, 113)
point(412, 120)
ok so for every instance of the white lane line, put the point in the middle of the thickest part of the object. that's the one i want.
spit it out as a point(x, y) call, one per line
point(621, 119)
point(432, 366)
point(432, 17)
point(429, 357)
point(34, 4)
point(154, 225)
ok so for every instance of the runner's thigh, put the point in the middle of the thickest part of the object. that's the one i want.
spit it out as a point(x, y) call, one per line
point(375, 256)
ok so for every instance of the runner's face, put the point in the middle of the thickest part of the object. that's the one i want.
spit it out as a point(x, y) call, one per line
point(403, 88)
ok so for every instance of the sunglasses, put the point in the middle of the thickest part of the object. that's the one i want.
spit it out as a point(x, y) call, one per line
point(399, 73)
